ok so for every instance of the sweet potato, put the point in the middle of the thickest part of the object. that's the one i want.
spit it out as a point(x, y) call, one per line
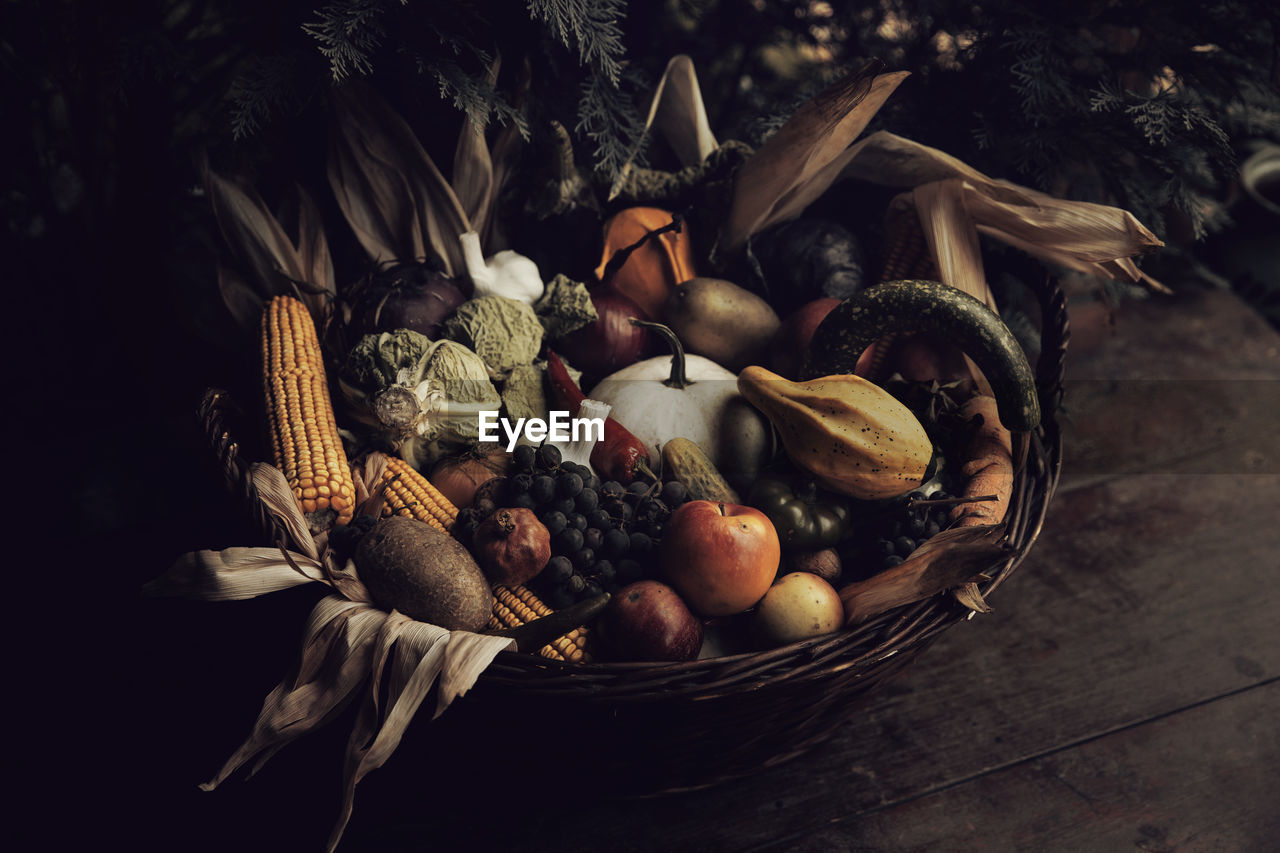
point(988, 463)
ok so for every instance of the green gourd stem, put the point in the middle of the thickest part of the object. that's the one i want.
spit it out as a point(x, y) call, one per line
point(677, 379)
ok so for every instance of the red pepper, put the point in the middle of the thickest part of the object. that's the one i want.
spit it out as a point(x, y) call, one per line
point(621, 456)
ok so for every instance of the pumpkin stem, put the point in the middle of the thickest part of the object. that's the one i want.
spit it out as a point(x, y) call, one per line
point(677, 379)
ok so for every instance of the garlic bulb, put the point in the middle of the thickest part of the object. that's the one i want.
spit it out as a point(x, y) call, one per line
point(506, 273)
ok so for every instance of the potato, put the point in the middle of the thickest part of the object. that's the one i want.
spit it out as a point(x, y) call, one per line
point(721, 321)
point(408, 565)
point(799, 606)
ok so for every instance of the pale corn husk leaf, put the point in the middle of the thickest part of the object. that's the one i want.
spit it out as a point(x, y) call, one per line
point(465, 658)
point(416, 655)
point(280, 501)
point(235, 574)
point(473, 169)
point(377, 734)
point(950, 559)
point(368, 476)
point(243, 303)
point(337, 648)
point(680, 116)
point(971, 597)
point(1092, 238)
point(394, 197)
point(952, 238)
point(802, 150)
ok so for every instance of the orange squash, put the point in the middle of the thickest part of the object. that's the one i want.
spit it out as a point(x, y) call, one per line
point(652, 271)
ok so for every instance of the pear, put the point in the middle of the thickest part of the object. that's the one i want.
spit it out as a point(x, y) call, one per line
point(721, 321)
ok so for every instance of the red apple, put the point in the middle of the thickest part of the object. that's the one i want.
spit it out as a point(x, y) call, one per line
point(791, 341)
point(648, 621)
point(720, 557)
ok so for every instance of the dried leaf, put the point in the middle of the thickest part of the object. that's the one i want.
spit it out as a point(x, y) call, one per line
point(280, 501)
point(377, 734)
point(374, 201)
point(950, 559)
point(465, 658)
point(346, 582)
point(472, 168)
point(802, 150)
point(952, 238)
point(244, 304)
point(388, 187)
point(313, 255)
point(1093, 238)
point(971, 597)
point(337, 648)
point(681, 115)
point(253, 234)
point(678, 112)
point(235, 574)
point(368, 481)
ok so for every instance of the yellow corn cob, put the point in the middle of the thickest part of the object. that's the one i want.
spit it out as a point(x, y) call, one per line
point(304, 434)
point(514, 606)
point(408, 493)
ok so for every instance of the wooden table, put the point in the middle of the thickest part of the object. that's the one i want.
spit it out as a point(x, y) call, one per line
point(1122, 695)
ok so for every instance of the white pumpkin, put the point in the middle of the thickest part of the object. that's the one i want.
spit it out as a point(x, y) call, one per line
point(688, 396)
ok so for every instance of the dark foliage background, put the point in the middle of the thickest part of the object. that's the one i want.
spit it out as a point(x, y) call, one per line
point(116, 325)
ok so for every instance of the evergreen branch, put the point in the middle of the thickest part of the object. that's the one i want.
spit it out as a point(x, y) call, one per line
point(609, 118)
point(474, 96)
point(349, 31)
point(264, 89)
point(594, 25)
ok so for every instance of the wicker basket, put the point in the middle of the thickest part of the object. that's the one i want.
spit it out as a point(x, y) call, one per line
point(696, 724)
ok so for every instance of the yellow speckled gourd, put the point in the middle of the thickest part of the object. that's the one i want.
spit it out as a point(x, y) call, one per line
point(851, 435)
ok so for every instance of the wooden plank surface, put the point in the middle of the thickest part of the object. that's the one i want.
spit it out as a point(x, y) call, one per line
point(1199, 779)
point(1140, 633)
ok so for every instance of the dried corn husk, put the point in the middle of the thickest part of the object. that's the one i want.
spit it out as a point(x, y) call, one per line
point(271, 262)
point(397, 202)
point(956, 202)
point(678, 112)
point(347, 643)
point(950, 559)
point(799, 162)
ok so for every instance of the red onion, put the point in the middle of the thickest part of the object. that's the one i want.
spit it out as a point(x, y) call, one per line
point(611, 342)
point(406, 296)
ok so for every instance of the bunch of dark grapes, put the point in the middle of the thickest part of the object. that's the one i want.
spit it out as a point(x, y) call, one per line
point(901, 533)
point(603, 535)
